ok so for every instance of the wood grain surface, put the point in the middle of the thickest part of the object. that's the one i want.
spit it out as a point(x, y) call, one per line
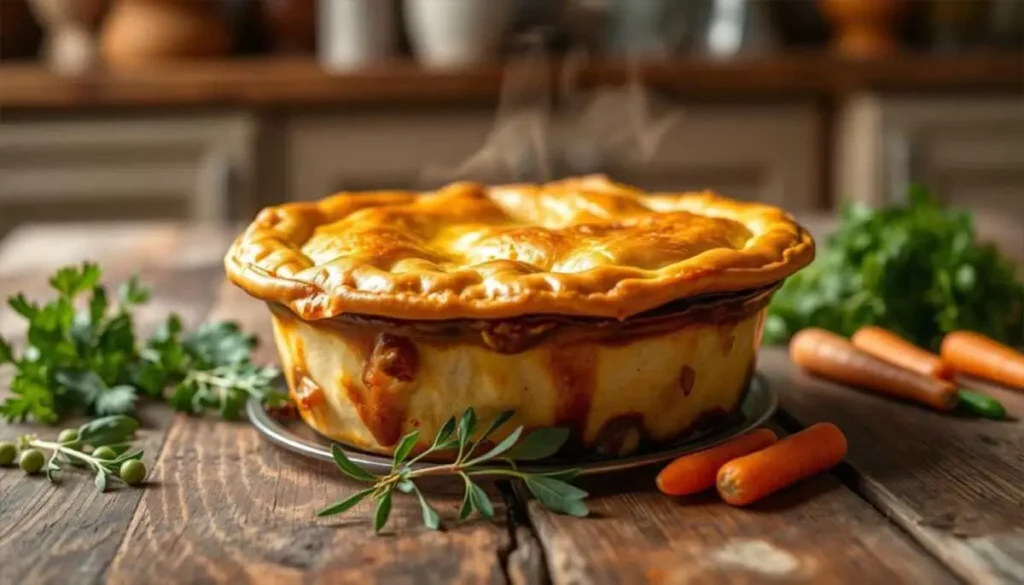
point(69, 533)
point(954, 483)
point(924, 498)
point(230, 508)
point(298, 81)
point(815, 532)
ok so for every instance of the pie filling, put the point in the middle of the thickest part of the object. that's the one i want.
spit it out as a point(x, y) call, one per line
point(617, 385)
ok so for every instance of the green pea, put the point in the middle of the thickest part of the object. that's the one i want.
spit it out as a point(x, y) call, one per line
point(982, 405)
point(104, 453)
point(68, 436)
point(8, 452)
point(133, 472)
point(31, 461)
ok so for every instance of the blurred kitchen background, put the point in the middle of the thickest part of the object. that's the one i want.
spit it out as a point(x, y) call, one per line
point(206, 110)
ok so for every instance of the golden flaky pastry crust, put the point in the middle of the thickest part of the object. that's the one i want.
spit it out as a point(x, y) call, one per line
point(584, 246)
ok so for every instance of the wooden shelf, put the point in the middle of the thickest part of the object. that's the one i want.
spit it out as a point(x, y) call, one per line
point(283, 82)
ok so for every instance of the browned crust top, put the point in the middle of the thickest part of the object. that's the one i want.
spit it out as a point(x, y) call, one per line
point(583, 247)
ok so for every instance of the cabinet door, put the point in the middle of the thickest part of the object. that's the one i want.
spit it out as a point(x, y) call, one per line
point(195, 167)
point(328, 153)
point(968, 151)
point(756, 152)
point(753, 152)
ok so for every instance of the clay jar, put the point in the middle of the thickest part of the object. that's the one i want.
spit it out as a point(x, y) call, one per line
point(292, 24)
point(139, 33)
point(863, 28)
point(70, 43)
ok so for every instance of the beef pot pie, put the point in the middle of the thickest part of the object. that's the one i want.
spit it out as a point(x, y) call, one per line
point(628, 317)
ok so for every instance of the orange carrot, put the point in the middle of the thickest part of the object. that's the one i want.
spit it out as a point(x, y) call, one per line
point(799, 456)
point(973, 353)
point(886, 345)
point(696, 472)
point(829, 355)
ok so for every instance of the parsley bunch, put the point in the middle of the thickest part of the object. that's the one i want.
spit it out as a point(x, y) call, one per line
point(83, 357)
point(915, 269)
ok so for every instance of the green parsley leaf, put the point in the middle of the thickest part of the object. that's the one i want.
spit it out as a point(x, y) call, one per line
point(71, 281)
point(89, 361)
point(117, 400)
point(132, 292)
point(222, 343)
point(6, 353)
point(23, 307)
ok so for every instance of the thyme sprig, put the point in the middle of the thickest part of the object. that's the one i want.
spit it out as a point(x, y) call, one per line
point(551, 489)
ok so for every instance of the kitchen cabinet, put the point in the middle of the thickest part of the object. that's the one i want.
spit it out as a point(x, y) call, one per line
point(757, 152)
point(216, 164)
point(761, 152)
point(329, 152)
point(192, 167)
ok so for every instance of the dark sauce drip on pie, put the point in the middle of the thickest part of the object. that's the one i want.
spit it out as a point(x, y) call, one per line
point(687, 376)
point(306, 393)
point(574, 373)
point(387, 372)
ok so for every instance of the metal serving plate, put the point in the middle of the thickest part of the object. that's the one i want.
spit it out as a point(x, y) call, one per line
point(758, 406)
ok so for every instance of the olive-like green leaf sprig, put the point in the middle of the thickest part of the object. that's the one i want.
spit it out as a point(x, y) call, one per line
point(551, 489)
point(102, 445)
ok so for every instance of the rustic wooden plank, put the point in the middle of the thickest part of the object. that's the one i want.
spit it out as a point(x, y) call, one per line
point(815, 532)
point(69, 533)
point(953, 483)
point(231, 508)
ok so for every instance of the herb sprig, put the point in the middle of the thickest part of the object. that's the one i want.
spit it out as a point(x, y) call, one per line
point(551, 489)
point(83, 357)
point(102, 445)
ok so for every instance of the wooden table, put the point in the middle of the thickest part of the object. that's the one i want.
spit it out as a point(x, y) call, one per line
point(922, 497)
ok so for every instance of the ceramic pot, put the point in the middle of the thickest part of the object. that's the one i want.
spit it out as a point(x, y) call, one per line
point(70, 42)
point(735, 27)
point(456, 33)
point(141, 33)
point(292, 24)
point(355, 33)
point(863, 28)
